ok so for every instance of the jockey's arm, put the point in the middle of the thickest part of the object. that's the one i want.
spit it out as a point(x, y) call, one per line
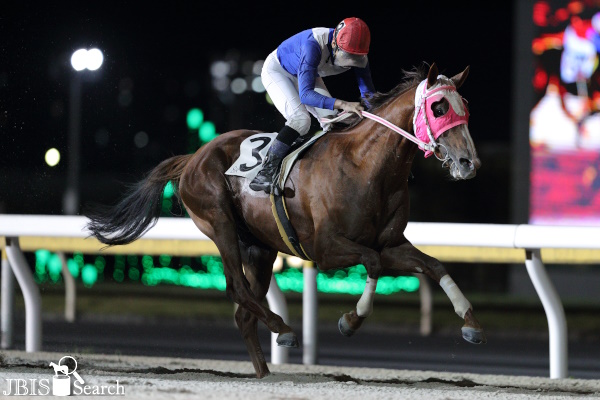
point(365, 82)
point(307, 74)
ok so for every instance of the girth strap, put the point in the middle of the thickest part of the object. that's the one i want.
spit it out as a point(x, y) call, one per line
point(286, 230)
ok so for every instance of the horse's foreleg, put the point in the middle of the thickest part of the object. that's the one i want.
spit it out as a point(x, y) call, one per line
point(350, 322)
point(343, 252)
point(407, 258)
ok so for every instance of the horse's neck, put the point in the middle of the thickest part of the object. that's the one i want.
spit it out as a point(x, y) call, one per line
point(387, 151)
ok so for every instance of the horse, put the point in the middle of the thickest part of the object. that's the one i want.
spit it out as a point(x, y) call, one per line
point(347, 198)
point(59, 368)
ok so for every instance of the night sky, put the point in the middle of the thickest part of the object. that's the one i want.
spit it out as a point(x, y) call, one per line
point(157, 67)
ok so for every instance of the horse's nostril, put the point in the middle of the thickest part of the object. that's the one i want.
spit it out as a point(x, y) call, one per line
point(466, 163)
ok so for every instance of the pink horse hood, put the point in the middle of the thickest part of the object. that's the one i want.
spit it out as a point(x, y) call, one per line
point(457, 112)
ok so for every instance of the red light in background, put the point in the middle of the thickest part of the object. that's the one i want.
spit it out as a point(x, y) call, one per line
point(562, 14)
point(541, 9)
point(575, 7)
point(540, 79)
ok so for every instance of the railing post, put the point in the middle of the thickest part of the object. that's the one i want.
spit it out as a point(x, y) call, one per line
point(309, 314)
point(426, 304)
point(557, 323)
point(277, 304)
point(31, 295)
point(7, 307)
point(70, 290)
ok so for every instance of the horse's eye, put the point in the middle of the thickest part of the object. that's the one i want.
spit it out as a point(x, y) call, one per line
point(439, 108)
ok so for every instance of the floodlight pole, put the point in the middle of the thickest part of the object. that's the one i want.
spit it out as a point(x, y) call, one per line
point(71, 195)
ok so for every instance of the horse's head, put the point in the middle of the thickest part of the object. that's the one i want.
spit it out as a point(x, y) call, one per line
point(441, 116)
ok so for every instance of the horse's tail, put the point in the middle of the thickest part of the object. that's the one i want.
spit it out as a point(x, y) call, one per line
point(140, 209)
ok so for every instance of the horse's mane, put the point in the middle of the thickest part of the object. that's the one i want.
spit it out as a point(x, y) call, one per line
point(377, 100)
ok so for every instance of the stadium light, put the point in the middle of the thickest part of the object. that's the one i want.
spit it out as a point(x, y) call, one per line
point(87, 59)
point(81, 60)
point(52, 157)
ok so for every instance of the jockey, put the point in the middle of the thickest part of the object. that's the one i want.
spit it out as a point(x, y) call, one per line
point(293, 77)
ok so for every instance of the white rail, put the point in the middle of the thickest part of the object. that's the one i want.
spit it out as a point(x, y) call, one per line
point(526, 237)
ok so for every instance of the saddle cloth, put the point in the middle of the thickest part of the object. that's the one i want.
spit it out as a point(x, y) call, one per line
point(253, 151)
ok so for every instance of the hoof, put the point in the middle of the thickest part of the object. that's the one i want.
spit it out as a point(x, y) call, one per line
point(472, 335)
point(287, 340)
point(264, 374)
point(344, 327)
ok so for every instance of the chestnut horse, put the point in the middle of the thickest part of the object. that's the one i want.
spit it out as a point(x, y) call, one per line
point(347, 198)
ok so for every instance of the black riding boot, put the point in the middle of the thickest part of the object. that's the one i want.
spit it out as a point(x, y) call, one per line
point(277, 152)
point(264, 179)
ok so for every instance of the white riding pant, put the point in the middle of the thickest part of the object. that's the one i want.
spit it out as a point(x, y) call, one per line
point(283, 90)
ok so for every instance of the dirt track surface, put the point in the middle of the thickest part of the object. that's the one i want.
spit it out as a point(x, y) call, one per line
point(178, 378)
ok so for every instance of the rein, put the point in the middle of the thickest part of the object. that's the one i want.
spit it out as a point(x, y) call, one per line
point(431, 146)
point(385, 123)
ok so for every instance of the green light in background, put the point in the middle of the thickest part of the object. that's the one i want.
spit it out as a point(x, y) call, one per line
point(349, 281)
point(168, 191)
point(78, 257)
point(134, 274)
point(132, 260)
point(166, 206)
point(73, 267)
point(42, 256)
point(184, 277)
point(100, 263)
point(147, 262)
point(54, 267)
point(164, 260)
point(118, 275)
point(89, 275)
point(194, 118)
point(214, 266)
point(207, 131)
point(204, 259)
point(41, 259)
point(119, 261)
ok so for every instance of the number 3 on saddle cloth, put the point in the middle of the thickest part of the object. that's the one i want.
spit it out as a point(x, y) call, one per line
point(253, 151)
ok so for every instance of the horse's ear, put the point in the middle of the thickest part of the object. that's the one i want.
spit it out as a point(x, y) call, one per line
point(460, 78)
point(432, 75)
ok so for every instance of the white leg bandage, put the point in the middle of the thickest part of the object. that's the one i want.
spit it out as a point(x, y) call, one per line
point(459, 301)
point(364, 308)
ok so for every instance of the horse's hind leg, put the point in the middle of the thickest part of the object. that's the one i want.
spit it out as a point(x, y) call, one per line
point(407, 258)
point(258, 266)
point(222, 230)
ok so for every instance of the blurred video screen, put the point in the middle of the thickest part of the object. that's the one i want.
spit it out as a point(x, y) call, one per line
point(564, 130)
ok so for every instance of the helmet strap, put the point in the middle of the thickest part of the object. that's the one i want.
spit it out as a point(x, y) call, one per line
point(334, 46)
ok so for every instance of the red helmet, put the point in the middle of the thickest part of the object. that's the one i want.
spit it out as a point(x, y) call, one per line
point(353, 36)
